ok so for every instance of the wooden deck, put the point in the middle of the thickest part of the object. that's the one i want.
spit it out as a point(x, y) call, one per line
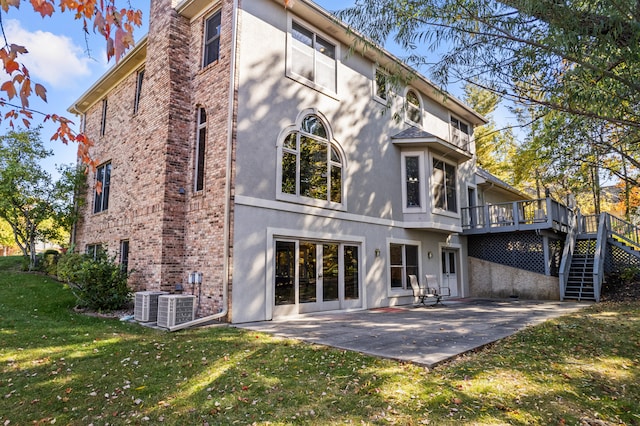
point(525, 215)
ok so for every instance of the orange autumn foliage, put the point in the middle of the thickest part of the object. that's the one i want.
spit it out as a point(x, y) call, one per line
point(115, 25)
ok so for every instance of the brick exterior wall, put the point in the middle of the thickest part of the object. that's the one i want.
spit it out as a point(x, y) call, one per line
point(171, 230)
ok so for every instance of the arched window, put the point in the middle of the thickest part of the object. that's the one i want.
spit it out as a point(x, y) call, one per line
point(311, 164)
point(414, 110)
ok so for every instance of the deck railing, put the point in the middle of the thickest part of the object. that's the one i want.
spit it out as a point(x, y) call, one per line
point(516, 216)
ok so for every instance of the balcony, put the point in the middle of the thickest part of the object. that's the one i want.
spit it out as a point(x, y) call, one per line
point(525, 215)
point(457, 148)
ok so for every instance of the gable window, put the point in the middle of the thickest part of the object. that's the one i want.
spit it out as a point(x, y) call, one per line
point(201, 142)
point(403, 261)
point(381, 89)
point(103, 182)
point(103, 118)
point(212, 39)
point(444, 186)
point(413, 109)
point(136, 100)
point(460, 132)
point(311, 165)
point(313, 57)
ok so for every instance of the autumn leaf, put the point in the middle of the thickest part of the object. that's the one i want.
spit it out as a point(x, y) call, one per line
point(7, 3)
point(41, 91)
point(8, 87)
point(43, 7)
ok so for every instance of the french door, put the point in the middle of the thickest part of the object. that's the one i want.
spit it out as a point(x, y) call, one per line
point(313, 276)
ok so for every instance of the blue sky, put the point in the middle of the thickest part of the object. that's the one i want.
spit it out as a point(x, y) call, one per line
point(68, 62)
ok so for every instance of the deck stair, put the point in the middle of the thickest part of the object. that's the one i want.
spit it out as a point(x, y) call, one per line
point(596, 244)
point(580, 279)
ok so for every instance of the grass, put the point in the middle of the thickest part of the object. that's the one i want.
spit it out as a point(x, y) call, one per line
point(65, 368)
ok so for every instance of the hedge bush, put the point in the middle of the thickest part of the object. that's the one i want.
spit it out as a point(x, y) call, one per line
point(99, 284)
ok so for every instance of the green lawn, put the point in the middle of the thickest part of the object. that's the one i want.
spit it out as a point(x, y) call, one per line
point(65, 368)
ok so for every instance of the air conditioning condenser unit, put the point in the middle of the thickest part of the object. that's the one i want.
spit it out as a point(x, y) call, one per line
point(146, 305)
point(174, 309)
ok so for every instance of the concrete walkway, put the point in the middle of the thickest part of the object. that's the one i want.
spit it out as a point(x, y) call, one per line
point(419, 334)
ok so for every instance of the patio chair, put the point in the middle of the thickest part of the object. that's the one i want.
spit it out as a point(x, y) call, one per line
point(424, 292)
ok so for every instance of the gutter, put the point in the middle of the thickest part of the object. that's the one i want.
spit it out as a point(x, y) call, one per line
point(227, 191)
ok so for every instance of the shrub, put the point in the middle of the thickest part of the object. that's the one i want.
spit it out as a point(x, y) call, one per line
point(48, 263)
point(98, 284)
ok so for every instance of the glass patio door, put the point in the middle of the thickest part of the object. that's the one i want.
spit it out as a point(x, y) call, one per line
point(449, 266)
point(313, 276)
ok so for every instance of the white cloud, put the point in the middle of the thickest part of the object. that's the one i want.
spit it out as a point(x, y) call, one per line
point(54, 60)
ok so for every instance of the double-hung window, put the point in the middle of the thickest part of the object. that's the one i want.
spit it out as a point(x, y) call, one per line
point(412, 171)
point(212, 38)
point(460, 133)
point(313, 57)
point(403, 261)
point(381, 88)
point(311, 166)
point(103, 183)
point(444, 186)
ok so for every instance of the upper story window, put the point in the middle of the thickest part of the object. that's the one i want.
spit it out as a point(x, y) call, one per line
point(381, 89)
point(444, 186)
point(313, 57)
point(103, 117)
point(201, 144)
point(413, 108)
point(311, 166)
point(136, 100)
point(212, 39)
point(460, 133)
point(103, 184)
point(412, 180)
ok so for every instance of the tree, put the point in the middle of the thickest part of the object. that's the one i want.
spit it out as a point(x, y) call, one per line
point(113, 24)
point(580, 58)
point(6, 237)
point(494, 149)
point(36, 208)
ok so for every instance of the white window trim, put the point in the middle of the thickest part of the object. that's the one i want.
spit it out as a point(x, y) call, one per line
point(293, 235)
point(406, 109)
point(393, 293)
point(301, 79)
point(281, 196)
point(424, 201)
point(434, 209)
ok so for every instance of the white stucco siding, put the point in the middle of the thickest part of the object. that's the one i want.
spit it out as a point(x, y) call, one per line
point(269, 102)
point(253, 278)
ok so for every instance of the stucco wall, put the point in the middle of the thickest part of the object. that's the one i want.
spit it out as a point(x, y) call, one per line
point(487, 279)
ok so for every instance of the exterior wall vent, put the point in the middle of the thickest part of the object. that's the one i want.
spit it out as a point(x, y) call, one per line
point(146, 305)
point(174, 309)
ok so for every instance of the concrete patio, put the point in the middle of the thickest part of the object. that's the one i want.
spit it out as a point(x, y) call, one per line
point(425, 335)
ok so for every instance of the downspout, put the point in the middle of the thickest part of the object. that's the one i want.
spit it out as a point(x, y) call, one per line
point(227, 191)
